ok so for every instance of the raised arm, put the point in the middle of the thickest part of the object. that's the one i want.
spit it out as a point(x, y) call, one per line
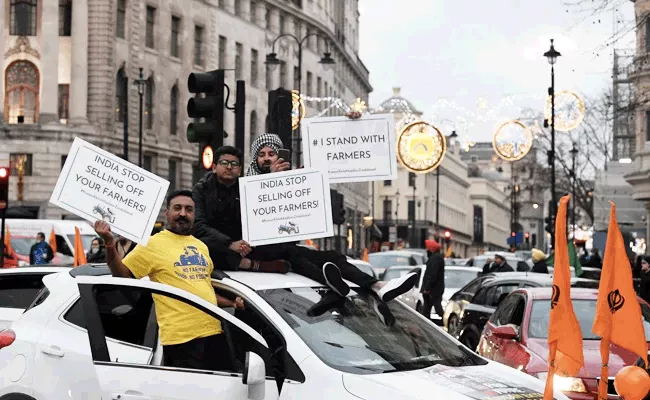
point(118, 269)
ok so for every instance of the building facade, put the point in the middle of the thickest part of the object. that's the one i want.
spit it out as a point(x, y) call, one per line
point(70, 69)
point(491, 215)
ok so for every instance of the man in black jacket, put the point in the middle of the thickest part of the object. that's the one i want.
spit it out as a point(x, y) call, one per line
point(218, 225)
point(499, 265)
point(433, 284)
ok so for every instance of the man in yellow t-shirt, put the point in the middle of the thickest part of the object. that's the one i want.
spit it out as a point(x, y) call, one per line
point(190, 337)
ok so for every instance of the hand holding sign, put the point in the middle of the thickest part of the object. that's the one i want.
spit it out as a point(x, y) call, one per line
point(103, 229)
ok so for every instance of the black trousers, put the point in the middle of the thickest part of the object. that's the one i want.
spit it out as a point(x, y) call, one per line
point(432, 301)
point(208, 353)
point(304, 261)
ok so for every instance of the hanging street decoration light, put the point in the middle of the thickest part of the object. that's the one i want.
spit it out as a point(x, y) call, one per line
point(421, 147)
point(512, 140)
point(569, 110)
point(297, 110)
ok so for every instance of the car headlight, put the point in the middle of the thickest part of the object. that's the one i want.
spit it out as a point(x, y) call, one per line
point(565, 383)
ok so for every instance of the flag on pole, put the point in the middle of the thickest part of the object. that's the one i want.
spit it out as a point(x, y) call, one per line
point(52, 240)
point(618, 313)
point(564, 336)
point(8, 249)
point(79, 255)
point(365, 255)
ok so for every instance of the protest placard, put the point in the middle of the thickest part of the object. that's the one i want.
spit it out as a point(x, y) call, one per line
point(285, 206)
point(351, 150)
point(95, 184)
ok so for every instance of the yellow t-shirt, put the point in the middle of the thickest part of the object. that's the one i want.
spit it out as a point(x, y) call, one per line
point(183, 262)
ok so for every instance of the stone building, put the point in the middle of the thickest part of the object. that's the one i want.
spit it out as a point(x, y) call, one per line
point(70, 68)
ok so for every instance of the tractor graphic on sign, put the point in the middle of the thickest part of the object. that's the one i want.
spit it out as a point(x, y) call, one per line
point(289, 228)
point(107, 214)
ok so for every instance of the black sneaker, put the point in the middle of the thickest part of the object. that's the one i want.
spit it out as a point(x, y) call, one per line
point(382, 311)
point(397, 287)
point(334, 280)
point(329, 301)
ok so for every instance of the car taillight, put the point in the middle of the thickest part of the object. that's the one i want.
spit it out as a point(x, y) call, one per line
point(7, 337)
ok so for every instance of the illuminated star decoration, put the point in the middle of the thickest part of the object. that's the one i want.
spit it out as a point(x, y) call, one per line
point(356, 109)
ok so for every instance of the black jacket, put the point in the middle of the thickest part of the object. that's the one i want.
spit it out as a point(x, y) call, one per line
point(644, 293)
point(217, 213)
point(540, 267)
point(497, 268)
point(434, 275)
point(98, 258)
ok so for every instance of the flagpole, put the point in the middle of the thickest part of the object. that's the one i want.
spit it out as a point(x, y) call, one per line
point(548, 389)
point(604, 371)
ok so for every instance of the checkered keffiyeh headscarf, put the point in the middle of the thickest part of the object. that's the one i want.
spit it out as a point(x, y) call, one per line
point(265, 140)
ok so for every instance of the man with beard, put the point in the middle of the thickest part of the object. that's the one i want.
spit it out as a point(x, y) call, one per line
point(190, 337)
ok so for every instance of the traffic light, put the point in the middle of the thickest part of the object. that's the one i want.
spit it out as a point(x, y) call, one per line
point(209, 133)
point(447, 237)
point(527, 239)
point(4, 188)
point(549, 225)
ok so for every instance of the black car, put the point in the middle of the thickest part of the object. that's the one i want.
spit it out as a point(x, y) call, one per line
point(490, 294)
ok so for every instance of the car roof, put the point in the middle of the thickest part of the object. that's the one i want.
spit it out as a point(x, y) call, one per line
point(447, 268)
point(254, 280)
point(527, 276)
point(35, 269)
point(395, 252)
point(545, 293)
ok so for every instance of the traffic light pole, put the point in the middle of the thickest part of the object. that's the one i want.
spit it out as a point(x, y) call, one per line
point(240, 116)
point(126, 118)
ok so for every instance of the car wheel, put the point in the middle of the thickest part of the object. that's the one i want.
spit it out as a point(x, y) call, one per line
point(452, 324)
point(470, 341)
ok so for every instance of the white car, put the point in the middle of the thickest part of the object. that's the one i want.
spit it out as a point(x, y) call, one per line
point(363, 266)
point(88, 335)
point(384, 259)
point(455, 278)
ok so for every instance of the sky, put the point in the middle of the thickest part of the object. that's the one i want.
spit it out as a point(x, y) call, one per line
point(472, 65)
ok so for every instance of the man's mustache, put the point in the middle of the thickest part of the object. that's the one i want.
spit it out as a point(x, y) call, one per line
point(182, 219)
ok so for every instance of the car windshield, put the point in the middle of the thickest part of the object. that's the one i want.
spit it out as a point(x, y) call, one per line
point(392, 273)
point(458, 278)
point(352, 338)
point(585, 310)
point(22, 245)
point(379, 260)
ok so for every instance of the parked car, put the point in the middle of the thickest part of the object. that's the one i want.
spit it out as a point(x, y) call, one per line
point(517, 263)
point(363, 266)
point(90, 334)
point(455, 278)
point(457, 302)
point(517, 335)
point(384, 259)
point(475, 314)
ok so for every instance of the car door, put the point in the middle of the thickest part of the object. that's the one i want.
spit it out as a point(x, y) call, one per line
point(490, 345)
point(143, 381)
point(511, 352)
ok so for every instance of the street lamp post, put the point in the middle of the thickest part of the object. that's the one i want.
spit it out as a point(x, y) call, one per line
point(574, 153)
point(552, 55)
point(437, 231)
point(141, 82)
point(413, 218)
point(273, 61)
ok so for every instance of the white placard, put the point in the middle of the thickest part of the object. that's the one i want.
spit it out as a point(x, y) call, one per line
point(360, 150)
point(95, 184)
point(285, 206)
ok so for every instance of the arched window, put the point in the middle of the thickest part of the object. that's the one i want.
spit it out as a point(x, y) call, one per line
point(120, 96)
point(21, 93)
point(148, 103)
point(22, 15)
point(253, 130)
point(173, 110)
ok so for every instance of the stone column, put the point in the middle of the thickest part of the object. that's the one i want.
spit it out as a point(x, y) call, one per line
point(275, 20)
point(261, 15)
point(79, 72)
point(245, 9)
point(230, 5)
point(49, 62)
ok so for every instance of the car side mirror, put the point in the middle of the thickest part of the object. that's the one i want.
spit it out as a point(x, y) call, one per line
point(506, 332)
point(254, 376)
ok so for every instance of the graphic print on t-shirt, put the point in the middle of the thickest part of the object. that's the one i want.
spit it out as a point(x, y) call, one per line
point(191, 265)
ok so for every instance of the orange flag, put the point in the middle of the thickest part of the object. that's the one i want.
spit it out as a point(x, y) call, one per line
point(564, 336)
point(618, 313)
point(53, 240)
point(364, 257)
point(79, 255)
point(8, 250)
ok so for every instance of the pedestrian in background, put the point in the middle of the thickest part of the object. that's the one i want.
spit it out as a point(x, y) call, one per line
point(97, 252)
point(433, 284)
point(41, 252)
point(539, 261)
point(644, 293)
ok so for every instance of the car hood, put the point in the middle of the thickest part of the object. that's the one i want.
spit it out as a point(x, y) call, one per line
point(446, 295)
point(442, 382)
point(618, 357)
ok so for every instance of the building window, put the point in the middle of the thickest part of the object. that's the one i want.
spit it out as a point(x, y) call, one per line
point(319, 91)
point(22, 18)
point(388, 209)
point(254, 67)
point(148, 103)
point(267, 19)
point(21, 93)
point(176, 30)
point(63, 159)
point(269, 77)
point(411, 179)
point(282, 23)
point(147, 161)
point(64, 96)
point(253, 125)
point(411, 215)
point(173, 110)
point(65, 17)
point(283, 75)
point(121, 19)
point(172, 174)
point(254, 12)
point(647, 36)
point(15, 160)
point(238, 54)
point(198, 45)
point(310, 78)
point(647, 126)
point(120, 96)
point(238, 8)
point(388, 183)
point(296, 83)
point(220, 3)
point(151, 19)
point(222, 52)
